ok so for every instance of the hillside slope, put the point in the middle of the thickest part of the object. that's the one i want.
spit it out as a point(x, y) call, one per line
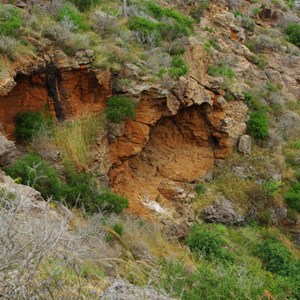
point(158, 148)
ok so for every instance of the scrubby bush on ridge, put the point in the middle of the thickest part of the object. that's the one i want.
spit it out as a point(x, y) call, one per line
point(120, 108)
point(258, 126)
point(28, 124)
point(293, 33)
point(10, 20)
point(32, 170)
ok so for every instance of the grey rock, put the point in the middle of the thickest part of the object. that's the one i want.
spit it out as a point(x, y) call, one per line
point(240, 172)
point(115, 130)
point(245, 144)
point(6, 150)
point(222, 212)
point(122, 290)
point(289, 124)
point(278, 215)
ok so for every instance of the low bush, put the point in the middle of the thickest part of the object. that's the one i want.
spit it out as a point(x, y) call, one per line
point(258, 125)
point(270, 188)
point(258, 60)
point(32, 170)
point(84, 5)
point(293, 33)
point(111, 202)
point(208, 241)
point(69, 13)
point(221, 70)
point(8, 46)
point(10, 20)
point(178, 67)
point(119, 109)
point(198, 9)
point(118, 228)
point(253, 101)
point(275, 257)
point(160, 12)
point(28, 124)
point(66, 40)
point(146, 31)
point(81, 190)
point(292, 197)
point(200, 189)
point(160, 24)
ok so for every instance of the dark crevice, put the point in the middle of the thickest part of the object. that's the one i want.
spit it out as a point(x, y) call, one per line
point(52, 82)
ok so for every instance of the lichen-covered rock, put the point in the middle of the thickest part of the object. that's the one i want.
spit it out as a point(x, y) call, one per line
point(6, 150)
point(245, 144)
point(121, 290)
point(222, 212)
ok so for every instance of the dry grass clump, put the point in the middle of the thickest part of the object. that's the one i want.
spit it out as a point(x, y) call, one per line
point(4, 68)
point(75, 138)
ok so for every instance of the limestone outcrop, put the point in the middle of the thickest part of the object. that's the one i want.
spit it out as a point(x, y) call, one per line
point(177, 133)
point(175, 138)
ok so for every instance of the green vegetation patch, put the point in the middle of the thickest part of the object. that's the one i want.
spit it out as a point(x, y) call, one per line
point(208, 240)
point(28, 124)
point(292, 196)
point(221, 70)
point(179, 67)
point(84, 5)
point(275, 257)
point(293, 33)
point(258, 125)
point(69, 13)
point(112, 202)
point(32, 170)
point(119, 109)
point(10, 20)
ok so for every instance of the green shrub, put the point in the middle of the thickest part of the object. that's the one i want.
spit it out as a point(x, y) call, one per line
point(10, 20)
point(221, 70)
point(118, 228)
point(71, 13)
point(81, 190)
point(120, 108)
point(270, 188)
point(111, 202)
point(292, 197)
point(211, 281)
point(32, 170)
point(167, 24)
point(258, 60)
point(200, 189)
point(146, 30)
point(253, 101)
point(198, 9)
point(258, 125)
point(208, 241)
point(160, 12)
point(178, 67)
point(275, 257)
point(293, 33)
point(28, 124)
point(9, 46)
point(84, 5)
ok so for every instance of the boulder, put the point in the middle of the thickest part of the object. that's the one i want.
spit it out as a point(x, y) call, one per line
point(245, 144)
point(122, 290)
point(222, 212)
point(6, 150)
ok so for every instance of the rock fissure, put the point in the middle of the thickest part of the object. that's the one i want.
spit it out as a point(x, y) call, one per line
point(52, 85)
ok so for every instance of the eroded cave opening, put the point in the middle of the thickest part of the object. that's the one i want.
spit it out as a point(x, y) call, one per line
point(180, 151)
point(62, 92)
